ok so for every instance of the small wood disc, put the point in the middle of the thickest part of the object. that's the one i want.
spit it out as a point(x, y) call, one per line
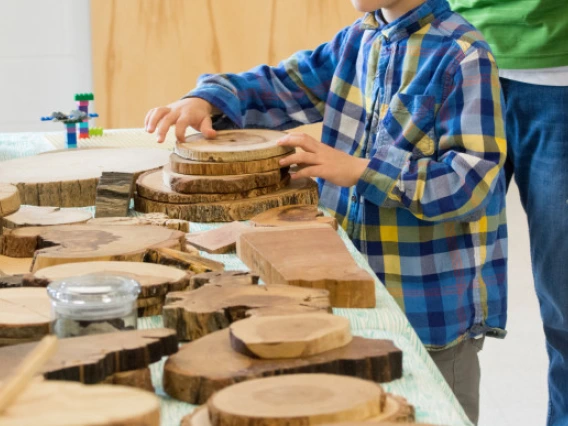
point(190, 167)
point(9, 199)
point(25, 313)
point(285, 336)
point(233, 146)
point(296, 400)
point(293, 216)
point(45, 216)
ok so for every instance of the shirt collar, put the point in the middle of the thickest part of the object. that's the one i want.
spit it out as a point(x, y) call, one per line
point(407, 24)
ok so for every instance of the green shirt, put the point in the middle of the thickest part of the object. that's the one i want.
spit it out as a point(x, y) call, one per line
point(522, 33)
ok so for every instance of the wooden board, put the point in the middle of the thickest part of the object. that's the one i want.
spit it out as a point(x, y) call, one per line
point(72, 176)
point(156, 219)
point(151, 186)
point(49, 403)
point(196, 184)
point(210, 364)
point(213, 307)
point(308, 257)
point(221, 278)
point(301, 191)
point(44, 216)
point(190, 167)
point(293, 216)
point(233, 146)
point(25, 313)
point(219, 240)
point(91, 359)
point(114, 192)
point(185, 261)
point(54, 245)
point(289, 336)
point(9, 199)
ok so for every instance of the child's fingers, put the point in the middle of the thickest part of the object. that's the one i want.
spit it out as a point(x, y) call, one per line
point(299, 140)
point(182, 124)
point(147, 118)
point(306, 172)
point(155, 117)
point(206, 127)
point(164, 125)
point(299, 158)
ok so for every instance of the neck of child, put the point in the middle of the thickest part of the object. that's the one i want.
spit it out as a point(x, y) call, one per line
point(399, 8)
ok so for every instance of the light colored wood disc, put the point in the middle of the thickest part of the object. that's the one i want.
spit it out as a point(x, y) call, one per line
point(296, 400)
point(9, 199)
point(53, 403)
point(44, 216)
point(285, 336)
point(233, 146)
point(301, 191)
point(157, 219)
point(190, 167)
point(71, 177)
point(218, 240)
point(25, 313)
point(293, 216)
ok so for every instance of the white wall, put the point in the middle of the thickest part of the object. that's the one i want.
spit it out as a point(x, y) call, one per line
point(45, 58)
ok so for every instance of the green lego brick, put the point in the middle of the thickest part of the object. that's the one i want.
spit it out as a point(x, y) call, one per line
point(95, 131)
point(84, 97)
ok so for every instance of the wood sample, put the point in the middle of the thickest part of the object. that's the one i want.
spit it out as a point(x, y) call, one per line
point(210, 364)
point(72, 176)
point(44, 216)
point(233, 146)
point(8, 281)
point(141, 379)
point(221, 278)
point(206, 168)
point(308, 257)
point(54, 245)
point(151, 186)
point(185, 261)
point(301, 191)
point(289, 336)
point(91, 359)
point(25, 314)
point(213, 307)
point(9, 199)
point(293, 216)
point(156, 219)
point(50, 403)
point(114, 192)
point(219, 240)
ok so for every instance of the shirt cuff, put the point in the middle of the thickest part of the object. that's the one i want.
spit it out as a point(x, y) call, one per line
point(220, 98)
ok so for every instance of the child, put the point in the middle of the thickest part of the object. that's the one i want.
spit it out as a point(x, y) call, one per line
point(410, 164)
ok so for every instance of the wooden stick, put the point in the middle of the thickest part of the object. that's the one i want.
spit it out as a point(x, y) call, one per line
point(24, 373)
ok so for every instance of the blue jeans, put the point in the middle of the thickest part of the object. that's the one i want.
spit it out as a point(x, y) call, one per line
point(537, 133)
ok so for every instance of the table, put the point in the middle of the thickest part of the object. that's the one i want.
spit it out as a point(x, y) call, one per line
point(422, 384)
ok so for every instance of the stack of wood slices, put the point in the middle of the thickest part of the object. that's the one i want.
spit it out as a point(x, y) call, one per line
point(235, 176)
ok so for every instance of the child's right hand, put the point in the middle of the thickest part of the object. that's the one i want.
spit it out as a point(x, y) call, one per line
point(194, 112)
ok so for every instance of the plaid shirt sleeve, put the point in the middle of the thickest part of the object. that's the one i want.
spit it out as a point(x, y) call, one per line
point(456, 182)
point(281, 97)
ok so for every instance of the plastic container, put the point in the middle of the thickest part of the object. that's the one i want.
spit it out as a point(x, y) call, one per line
point(93, 304)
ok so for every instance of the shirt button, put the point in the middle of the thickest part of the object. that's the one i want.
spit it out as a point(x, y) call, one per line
point(354, 198)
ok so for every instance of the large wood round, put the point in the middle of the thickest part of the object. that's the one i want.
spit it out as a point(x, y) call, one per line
point(69, 178)
point(293, 216)
point(233, 146)
point(296, 400)
point(290, 336)
point(25, 313)
point(9, 199)
point(49, 403)
point(45, 216)
point(191, 167)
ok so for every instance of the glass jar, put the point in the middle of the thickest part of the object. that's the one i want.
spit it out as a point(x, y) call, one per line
point(93, 304)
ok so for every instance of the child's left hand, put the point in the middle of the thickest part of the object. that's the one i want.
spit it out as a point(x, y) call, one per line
point(320, 160)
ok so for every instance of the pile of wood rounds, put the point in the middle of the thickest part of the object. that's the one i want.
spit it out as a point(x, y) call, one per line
point(235, 176)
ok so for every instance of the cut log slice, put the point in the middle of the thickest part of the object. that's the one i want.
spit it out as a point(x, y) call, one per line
point(233, 146)
point(25, 313)
point(213, 307)
point(11, 341)
point(292, 216)
point(209, 364)
point(185, 261)
point(187, 184)
point(149, 301)
point(221, 278)
point(284, 336)
point(151, 186)
point(219, 240)
point(92, 359)
point(72, 176)
point(54, 245)
point(50, 403)
point(190, 167)
point(150, 311)
point(141, 379)
point(114, 192)
point(9, 198)
point(44, 216)
point(301, 191)
point(156, 219)
point(9, 281)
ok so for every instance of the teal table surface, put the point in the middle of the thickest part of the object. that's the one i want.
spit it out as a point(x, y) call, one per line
point(422, 384)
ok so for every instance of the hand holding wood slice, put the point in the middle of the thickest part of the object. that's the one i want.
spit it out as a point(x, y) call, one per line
point(293, 216)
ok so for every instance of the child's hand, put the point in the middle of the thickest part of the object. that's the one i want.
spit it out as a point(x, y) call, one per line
point(194, 112)
point(320, 160)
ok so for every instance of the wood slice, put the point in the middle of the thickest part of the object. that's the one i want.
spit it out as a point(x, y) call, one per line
point(156, 219)
point(189, 184)
point(292, 216)
point(219, 240)
point(213, 307)
point(308, 257)
point(49, 403)
point(301, 191)
point(190, 167)
point(151, 186)
point(221, 278)
point(44, 216)
point(54, 245)
point(25, 313)
point(285, 336)
point(154, 280)
point(72, 176)
point(91, 359)
point(9, 198)
point(141, 379)
point(114, 192)
point(8, 281)
point(209, 364)
point(185, 261)
point(150, 311)
point(233, 146)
